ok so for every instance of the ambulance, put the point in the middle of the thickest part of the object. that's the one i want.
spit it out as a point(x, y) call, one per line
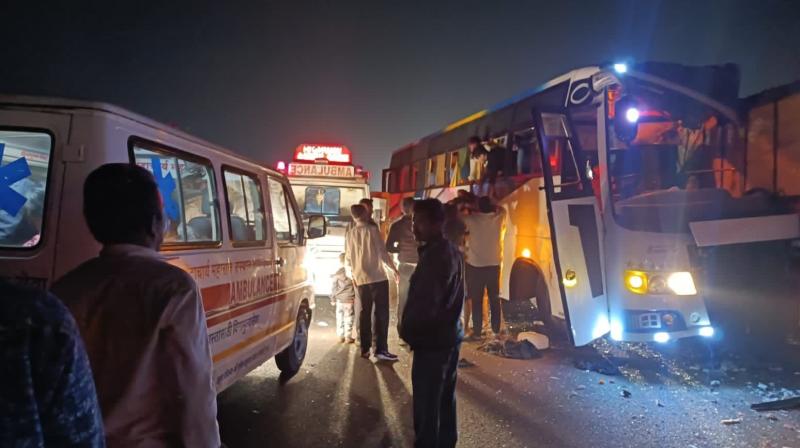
point(326, 182)
point(233, 224)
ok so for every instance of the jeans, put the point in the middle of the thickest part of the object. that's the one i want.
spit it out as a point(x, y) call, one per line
point(405, 269)
point(344, 319)
point(479, 279)
point(433, 383)
point(377, 295)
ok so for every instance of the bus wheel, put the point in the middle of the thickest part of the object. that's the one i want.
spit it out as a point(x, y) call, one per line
point(291, 358)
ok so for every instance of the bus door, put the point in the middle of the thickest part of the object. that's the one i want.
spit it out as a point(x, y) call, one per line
point(575, 227)
point(33, 152)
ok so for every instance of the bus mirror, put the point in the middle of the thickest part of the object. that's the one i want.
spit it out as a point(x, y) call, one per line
point(317, 227)
point(626, 120)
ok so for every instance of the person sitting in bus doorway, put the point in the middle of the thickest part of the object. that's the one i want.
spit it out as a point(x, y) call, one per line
point(365, 253)
point(47, 394)
point(477, 160)
point(431, 326)
point(483, 262)
point(141, 318)
point(402, 243)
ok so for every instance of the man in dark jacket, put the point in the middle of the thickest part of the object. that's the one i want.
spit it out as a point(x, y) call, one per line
point(431, 326)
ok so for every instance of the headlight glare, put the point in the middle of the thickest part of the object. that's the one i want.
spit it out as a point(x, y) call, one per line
point(636, 281)
point(682, 283)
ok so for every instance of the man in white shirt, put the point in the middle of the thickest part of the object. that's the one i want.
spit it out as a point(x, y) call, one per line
point(483, 262)
point(366, 255)
point(142, 320)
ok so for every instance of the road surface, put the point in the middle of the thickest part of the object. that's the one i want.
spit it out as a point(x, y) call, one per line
point(660, 399)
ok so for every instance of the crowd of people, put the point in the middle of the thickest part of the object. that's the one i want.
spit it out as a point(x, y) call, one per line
point(109, 359)
point(447, 268)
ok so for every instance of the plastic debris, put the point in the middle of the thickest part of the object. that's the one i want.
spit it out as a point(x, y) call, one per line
point(626, 393)
point(731, 421)
point(540, 341)
point(322, 323)
point(715, 383)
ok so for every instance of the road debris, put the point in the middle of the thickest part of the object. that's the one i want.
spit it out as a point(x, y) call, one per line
point(322, 323)
point(715, 383)
point(777, 405)
point(540, 341)
point(464, 362)
point(511, 349)
point(731, 421)
point(597, 364)
point(626, 393)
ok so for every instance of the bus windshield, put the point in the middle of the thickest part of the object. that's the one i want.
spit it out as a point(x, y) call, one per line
point(673, 161)
point(332, 201)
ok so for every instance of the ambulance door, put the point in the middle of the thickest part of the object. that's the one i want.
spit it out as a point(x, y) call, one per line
point(290, 273)
point(34, 147)
point(575, 228)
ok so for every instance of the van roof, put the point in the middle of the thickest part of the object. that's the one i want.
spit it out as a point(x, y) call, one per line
point(43, 102)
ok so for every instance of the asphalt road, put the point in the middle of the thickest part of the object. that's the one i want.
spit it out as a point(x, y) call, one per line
point(661, 399)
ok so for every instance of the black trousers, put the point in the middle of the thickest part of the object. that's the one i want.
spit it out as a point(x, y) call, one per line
point(479, 279)
point(433, 382)
point(377, 295)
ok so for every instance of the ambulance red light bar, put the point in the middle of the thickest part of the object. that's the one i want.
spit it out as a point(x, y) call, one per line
point(281, 166)
point(328, 153)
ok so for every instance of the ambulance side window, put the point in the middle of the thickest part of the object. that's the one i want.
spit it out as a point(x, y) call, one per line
point(281, 213)
point(24, 164)
point(187, 190)
point(245, 207)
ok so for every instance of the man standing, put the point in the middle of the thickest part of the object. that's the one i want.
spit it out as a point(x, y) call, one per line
point(483, 262)
point(366, 255)
point(431, 325)
point(401, 242)
point(142, 320)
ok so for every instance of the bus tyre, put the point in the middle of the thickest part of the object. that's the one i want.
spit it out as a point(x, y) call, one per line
point(291, 358)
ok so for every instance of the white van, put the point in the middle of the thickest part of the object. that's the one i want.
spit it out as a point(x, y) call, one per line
point(233, 224)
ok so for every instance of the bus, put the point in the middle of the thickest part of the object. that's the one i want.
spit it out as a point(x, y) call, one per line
point(614, 177)
point(232, 223)
point(325, 182)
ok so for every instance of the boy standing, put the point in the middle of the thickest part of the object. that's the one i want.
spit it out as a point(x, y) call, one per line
point(343, 296)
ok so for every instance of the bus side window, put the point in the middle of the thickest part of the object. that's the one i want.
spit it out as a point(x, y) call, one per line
point(187, 190)
point(245, 207)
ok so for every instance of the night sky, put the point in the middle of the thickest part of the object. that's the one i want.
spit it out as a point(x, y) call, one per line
point(373, 75)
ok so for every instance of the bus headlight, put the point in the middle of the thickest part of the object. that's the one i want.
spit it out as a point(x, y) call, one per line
point(682, 283)
point(636, 281)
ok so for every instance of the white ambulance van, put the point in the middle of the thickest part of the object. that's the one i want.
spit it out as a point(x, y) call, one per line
point(233, 224)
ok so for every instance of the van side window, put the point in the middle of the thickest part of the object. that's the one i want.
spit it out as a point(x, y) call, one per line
point(187, 189)
point(281, 214)
point(24, 162)
point(245, 207)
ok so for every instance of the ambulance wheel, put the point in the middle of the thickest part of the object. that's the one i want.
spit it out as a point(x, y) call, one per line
point(291, 358)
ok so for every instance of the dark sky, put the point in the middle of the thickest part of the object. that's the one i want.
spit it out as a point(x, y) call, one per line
point(374, 75)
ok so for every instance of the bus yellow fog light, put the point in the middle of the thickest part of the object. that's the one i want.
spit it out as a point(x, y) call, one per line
point(682, 283)
point(636, 281)
point(570, 278)
point(526, 253)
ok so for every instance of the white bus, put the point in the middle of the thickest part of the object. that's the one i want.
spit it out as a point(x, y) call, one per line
point(233, 224)
point(613, 177)
point(326, 182)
